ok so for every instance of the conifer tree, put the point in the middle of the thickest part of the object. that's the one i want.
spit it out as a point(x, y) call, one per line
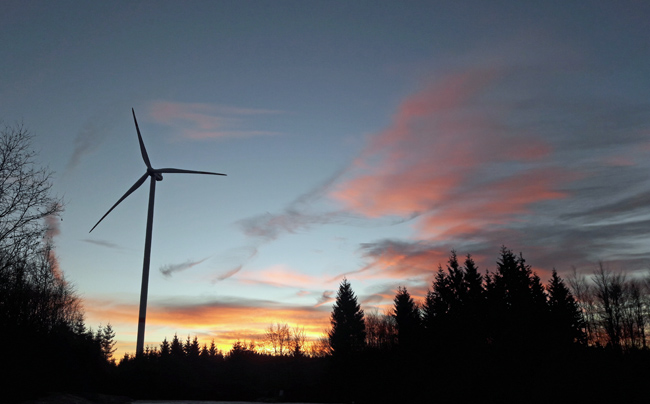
point(213, 351)
point(107, 341)
point(204, 351)
point(192, 348)
point(407, 319)
point(565, 317)
point(456, 281)
point(177, 347)
point(435, 311)
point(472, 322)
point(473, 283)
point(348, 333)
point(516, 302)
point(165, 349)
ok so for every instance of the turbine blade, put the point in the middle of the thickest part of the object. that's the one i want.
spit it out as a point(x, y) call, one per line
point(143, 150)
point(129, 192)
point(181, 171)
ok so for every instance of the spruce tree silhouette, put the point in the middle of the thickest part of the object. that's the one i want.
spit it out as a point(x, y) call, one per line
point(566, 324)
point(472, 324)
point(176, 348)
point(435, 311)
point(407, 318)
point(165, 348)
point(518, 310)
point(348, 333)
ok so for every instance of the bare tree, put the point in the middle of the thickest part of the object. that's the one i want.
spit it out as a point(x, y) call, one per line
point(381, 331)
point(32, 289)
point(297, 341)
point(615, 309)
point(278, 338)
point(609, 293)
point(321, 346)
point(25, 194)
point(583, 292)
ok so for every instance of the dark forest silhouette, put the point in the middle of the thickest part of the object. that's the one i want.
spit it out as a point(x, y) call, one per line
point(44, 343)
point(501, 336)
point(497, 336)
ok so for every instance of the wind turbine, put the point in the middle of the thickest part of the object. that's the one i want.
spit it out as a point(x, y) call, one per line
point(155, 174)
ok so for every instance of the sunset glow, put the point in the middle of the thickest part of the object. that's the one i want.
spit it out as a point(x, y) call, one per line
point(360, 139)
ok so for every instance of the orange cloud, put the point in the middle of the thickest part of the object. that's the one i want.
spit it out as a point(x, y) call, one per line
point(206, 121)
point(283, 276)
point(453, 157)
point(401, 260)
point(225, 322)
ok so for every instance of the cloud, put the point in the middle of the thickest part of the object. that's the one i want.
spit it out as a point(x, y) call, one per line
point(87, 141)
point(53, 225)
point(480, 166)
point(224, 319)
point(508, 154)
point(281, 276)
point(235, 259)
point(169, 269)
point(447, 157)
point(200, 121)
point(301, 215)
point(102, 243)
point(227, 274)
point(401, 260)
point(53, 229)
point(94, 131)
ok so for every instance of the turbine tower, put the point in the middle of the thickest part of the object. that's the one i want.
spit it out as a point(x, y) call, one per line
point(155, 174)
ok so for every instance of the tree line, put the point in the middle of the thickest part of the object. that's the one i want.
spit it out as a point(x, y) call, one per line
point(492, 336)
point(499, 336)
point(465, 309)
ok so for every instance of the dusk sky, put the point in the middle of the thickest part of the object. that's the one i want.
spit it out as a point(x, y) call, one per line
point(363, 139)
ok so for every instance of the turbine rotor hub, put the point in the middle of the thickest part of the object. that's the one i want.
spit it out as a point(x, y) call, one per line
point(158, 176)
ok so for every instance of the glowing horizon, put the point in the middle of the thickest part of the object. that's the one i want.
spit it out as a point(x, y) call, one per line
point(364, 140)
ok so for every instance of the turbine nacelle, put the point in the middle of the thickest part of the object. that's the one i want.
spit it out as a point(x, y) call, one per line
point(154, 173)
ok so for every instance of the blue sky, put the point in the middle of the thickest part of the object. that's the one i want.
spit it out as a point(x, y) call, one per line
point(363, 138)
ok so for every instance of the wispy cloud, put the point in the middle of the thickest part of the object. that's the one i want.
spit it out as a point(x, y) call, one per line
point(52, 230)
point(91, 135)
point(234, 260)
point(53, 225)
point(325, 298)
point(281, 276)
point(102, 243)
point(94, 131)
point(169, 269)
point(482, 165)
point(447, 157)
point(201, 121)
point(225, 318)
point(489, 156)
point(301, 215)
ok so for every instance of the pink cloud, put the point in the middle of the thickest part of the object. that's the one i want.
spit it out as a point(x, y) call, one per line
point(283, 276)
point(452, 156)
point(455, 156)
point(399, 261)
point(206, 121)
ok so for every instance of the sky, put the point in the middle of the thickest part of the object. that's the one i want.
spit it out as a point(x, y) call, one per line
point(361, 139)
